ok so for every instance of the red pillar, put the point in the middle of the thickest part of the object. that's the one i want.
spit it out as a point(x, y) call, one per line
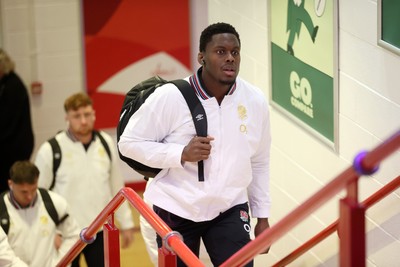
point(111, 246)
point(352, 233)
point(166, 258)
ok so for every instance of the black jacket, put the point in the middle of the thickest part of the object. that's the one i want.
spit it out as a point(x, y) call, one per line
point(16, 134)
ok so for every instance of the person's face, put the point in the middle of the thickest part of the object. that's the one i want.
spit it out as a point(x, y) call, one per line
point(221, 59)
point(81, 121)
point(23, 193)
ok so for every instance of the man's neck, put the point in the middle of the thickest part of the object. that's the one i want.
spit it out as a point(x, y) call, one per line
point(17, 205)
point(214, 88)
point(84, 139)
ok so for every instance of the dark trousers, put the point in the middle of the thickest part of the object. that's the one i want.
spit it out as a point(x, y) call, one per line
point(94, 253)
point(222, 236)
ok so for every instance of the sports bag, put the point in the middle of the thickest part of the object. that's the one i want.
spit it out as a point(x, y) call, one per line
point(138, 95)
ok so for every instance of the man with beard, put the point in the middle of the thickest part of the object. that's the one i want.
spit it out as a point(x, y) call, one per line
point(88, 176)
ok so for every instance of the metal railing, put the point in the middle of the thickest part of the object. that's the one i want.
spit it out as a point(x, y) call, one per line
point(367, 203)
point(352, 217)
point(351, 221)
point(171, 240)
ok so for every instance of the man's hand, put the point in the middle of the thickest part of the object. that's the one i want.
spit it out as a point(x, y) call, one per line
point(58, 241)
point(261, 226)
point(199, 148)
point(126, 237)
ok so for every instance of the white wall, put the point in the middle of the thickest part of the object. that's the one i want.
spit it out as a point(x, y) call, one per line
point(44, 38)
point(369, 111)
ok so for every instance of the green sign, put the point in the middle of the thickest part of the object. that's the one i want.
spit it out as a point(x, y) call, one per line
point(303, 62)
point(390, 23)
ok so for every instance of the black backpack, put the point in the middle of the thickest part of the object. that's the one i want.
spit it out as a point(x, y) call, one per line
point(48, 203)
point(137, 96)
point(57, 156)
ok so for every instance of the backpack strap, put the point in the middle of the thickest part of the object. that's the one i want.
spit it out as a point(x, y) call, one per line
point(198, 115)
point(4, 217)
point(51, 209)
point(48, 203)
point(104, 143)
point(56, 158)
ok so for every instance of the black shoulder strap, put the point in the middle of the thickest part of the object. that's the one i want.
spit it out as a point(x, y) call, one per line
point(57, 155)
point(48, 203)
point(4, 217)
point(104, 143)
point(56, 158)
point(51, 209)
point(198, 114)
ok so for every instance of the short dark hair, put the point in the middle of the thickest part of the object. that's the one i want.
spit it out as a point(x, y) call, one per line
point(24, 172)
point(216, 28)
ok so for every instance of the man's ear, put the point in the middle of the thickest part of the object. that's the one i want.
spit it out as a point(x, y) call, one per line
point(200, 58)
point(10, 183)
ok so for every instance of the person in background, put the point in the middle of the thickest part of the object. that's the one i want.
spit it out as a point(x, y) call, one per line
point(148, 233)
point(87, 176)
point(32, 231)
point(7, 256)
point(236, 152)
point(16, 135)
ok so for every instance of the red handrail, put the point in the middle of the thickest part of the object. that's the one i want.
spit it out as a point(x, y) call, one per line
point(367, 203)
point(90, 232)
point(162, 229)
point(369, 162)
point(173, 241)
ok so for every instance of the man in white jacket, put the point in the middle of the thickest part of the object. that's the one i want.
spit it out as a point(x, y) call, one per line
point(7, 255)
point(31, 229)
point(161, 134)
point(88, 176)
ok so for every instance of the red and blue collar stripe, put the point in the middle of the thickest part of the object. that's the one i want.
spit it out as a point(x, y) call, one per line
point(195, 82)
point(17, 205)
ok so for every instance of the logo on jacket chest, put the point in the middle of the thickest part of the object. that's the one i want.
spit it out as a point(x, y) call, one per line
point(242, 113)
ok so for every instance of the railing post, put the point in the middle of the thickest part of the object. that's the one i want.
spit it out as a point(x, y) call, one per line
point(111, 244)
point(166, 258)
point(352, 229)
